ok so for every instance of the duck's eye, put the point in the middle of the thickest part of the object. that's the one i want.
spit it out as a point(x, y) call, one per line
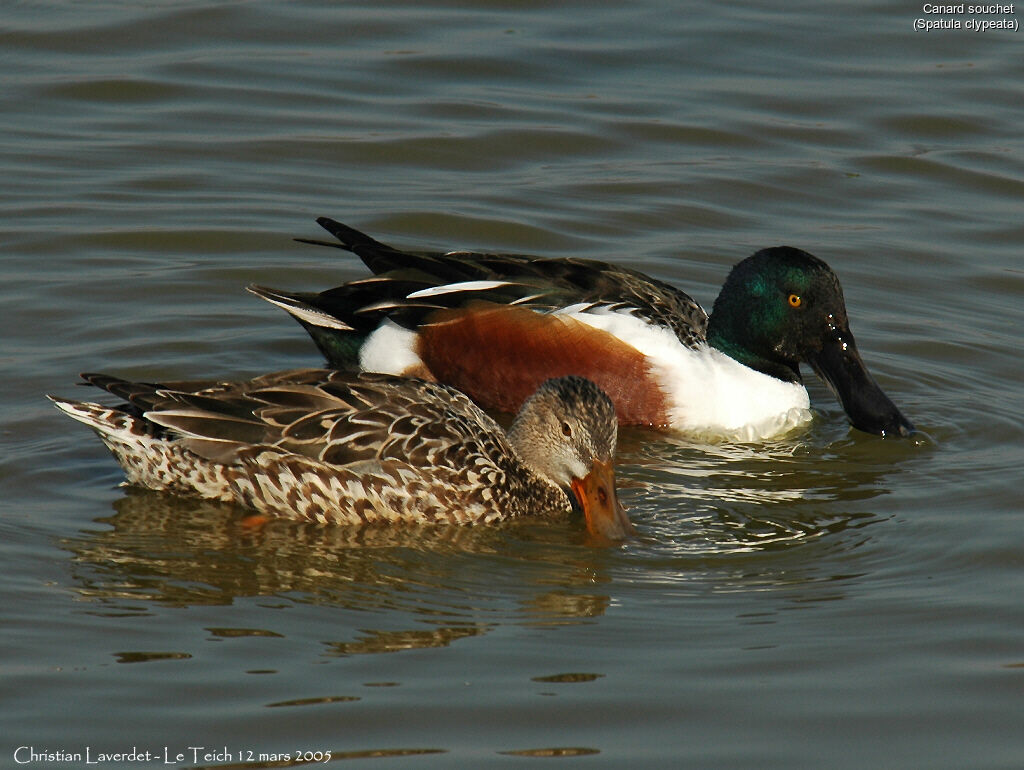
point(795, 300)
point(566, 430)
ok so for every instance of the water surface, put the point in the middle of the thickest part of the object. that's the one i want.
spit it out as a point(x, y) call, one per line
point(826, 600)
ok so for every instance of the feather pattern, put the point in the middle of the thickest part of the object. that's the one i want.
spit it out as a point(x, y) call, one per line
point(407, 286)
point(734, 373)
point(330, 446)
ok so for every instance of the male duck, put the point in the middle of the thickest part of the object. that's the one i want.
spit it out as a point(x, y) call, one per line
point(495, 326)
point(331, 446)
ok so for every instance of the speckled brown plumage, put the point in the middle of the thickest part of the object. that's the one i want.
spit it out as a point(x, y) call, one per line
point(330, 446)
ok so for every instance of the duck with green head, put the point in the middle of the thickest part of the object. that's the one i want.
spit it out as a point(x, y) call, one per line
point(496, 325)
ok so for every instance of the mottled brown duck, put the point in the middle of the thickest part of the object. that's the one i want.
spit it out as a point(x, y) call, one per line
point(338, 447)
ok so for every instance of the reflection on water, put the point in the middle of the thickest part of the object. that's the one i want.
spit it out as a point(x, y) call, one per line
point(147, 657)
point(564, 751)
point(314, 701)
point(571, 678)
point(236, 633)
point(395, 641)
point(446, 581)
point(727, 498)
point(699, 508)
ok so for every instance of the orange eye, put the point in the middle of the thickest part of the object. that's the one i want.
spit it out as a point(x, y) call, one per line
point(795, 300)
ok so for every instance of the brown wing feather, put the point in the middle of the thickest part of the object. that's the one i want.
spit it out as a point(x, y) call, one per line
point(321, 445)
point(335, 417)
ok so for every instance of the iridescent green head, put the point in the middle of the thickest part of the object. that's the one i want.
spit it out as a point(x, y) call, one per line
point(783, 306)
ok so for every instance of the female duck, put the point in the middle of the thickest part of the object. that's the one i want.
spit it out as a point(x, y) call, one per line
point(330, 446)
point(495, 326)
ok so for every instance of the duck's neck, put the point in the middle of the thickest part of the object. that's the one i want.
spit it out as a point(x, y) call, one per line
point(525, 485)
point(532, 457)
point(726, 339)
point(530, 452)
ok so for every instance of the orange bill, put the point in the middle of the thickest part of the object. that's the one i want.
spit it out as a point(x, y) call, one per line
point(595, 492)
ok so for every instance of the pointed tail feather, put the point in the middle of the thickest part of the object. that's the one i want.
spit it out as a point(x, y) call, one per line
point(359, 243)
point(377, 256)
point(350, 238)
point(107, 421)
point(297, 306)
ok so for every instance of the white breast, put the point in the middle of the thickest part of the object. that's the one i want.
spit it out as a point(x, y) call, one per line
point(709, 393)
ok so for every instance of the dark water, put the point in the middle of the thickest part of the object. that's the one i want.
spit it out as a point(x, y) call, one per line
point(828, 600)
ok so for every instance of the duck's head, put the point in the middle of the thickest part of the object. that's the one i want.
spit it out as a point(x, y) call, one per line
point(782, 306)
point(566, 432)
